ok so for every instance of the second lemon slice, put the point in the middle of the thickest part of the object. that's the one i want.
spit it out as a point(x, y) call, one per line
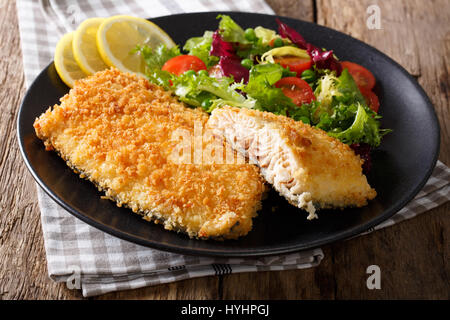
point(84, 46)
point(119, 35)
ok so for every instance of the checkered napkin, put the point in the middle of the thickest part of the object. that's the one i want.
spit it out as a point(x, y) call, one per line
point(96, 262)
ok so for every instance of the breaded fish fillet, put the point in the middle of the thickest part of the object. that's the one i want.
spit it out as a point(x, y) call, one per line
point(117, 131)
point(309, 168)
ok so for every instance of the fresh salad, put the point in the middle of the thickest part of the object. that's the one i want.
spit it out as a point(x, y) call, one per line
point(271, 71)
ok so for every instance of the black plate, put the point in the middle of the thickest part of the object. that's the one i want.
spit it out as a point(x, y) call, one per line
point(401, 165)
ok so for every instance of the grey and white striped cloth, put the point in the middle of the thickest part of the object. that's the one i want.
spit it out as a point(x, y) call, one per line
point(98, 263)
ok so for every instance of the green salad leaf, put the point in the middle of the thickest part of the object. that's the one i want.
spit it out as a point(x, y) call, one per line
point(268, 73)
point(348, 89)
point(364, 129)
point(266, 35)
point(343, 111)
point(201, 90)
point(155, 58)
point(230, 30)
point(252, 50)
point(260, 87)
point(160, 78)
point(200, 47)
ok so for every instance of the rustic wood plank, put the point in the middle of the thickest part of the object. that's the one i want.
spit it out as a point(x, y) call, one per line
point(394, 37)
point(303, 10)
point(411, 256)
point(432, 32)
point(23, 268)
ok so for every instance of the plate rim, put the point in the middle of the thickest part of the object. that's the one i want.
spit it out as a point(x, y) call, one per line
point(345, 234)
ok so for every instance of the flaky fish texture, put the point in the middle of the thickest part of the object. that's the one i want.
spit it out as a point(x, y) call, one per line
point(123, 134)
point(309, 168)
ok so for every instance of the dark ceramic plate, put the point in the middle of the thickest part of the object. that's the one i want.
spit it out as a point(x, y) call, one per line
point(401, 165)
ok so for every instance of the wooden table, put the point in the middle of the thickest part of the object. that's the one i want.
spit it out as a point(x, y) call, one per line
point(413, 256)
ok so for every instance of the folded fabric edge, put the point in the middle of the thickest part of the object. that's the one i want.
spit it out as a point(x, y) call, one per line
point(90, 289)
point(221, 266)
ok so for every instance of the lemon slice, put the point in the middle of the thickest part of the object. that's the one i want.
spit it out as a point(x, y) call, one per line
point(117, 36)
point(65, 63)
point(84, 46)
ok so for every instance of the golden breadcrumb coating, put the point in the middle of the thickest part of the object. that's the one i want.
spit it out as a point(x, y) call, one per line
point(307, 166)
point(117, 130)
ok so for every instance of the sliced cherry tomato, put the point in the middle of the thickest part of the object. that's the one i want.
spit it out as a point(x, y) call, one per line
point(371, 99)
point(295, 64)
point(297, 89)
point(180, 64)
point(363, 77)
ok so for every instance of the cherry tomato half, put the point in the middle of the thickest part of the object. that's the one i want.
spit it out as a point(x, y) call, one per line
point(295, 64)
point(363, 77)
point(371, 99)
point(180, 64)
point(297, 89)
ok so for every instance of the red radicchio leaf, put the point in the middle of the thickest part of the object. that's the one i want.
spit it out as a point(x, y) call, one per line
point(287, 32)
point(232, 66)
point(322, 59)
point(363, 150)
point(229, 63)
point(220, 48)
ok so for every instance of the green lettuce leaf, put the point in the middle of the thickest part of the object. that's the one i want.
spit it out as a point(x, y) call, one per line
point(201, 90)
point(252, 50)
point(200, 47)
point(155, 58)
point(331, 90)
point(230, 30)
point(260, 87)
point(343, 111)
point(265, 35)
point(364, 129)
point(349, 90)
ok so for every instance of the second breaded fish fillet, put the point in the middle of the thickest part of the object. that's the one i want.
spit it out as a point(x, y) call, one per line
point(309, 168)
point(117, 131)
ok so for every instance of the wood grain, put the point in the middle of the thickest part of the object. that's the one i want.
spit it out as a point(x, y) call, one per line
point(303, 9)
point(394, 37)
point(23, 270)
point(413, 255)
